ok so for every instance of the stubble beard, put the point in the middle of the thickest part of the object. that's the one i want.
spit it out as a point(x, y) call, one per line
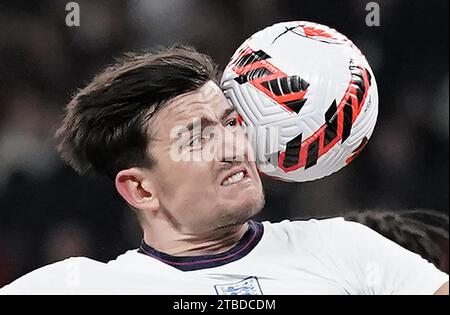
point(237, 218)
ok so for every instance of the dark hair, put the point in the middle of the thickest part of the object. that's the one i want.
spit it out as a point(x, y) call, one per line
point(416, 230)
point(105, 124)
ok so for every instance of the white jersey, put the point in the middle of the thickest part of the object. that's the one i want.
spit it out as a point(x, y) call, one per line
point(301, 257)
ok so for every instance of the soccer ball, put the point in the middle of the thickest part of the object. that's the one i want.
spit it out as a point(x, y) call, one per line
point(307, 97)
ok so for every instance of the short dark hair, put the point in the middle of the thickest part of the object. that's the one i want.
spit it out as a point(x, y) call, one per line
point(105, 125)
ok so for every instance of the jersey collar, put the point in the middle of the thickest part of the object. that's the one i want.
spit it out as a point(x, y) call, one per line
point(246, 244)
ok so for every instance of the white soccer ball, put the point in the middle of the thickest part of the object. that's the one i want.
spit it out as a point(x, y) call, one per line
point(307, 97)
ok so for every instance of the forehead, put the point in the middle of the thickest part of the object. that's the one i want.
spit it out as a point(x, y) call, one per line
point(208, 101)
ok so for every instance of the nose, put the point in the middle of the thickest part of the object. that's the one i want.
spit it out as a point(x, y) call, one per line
point(234, 146)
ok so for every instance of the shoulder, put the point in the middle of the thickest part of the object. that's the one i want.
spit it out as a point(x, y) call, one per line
point(313, 226)
point(54, 278)
point(318, 232)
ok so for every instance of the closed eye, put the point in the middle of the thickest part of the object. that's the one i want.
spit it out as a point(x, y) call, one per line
point(195, 141)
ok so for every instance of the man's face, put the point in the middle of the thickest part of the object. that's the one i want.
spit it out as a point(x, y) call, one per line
point(205, 175)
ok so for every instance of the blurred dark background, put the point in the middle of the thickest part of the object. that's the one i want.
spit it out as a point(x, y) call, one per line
point(47, 212)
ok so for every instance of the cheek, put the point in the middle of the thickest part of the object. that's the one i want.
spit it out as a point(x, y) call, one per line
point(185, 182)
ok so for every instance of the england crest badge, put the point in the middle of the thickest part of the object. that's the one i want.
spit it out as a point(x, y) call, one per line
point(248, 286)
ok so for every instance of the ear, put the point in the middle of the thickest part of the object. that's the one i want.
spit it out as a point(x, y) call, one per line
point(136, 187)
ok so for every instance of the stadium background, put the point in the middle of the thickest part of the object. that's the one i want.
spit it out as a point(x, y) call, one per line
point(47, 212)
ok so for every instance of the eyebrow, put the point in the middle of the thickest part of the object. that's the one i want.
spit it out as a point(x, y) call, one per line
point(205, 122)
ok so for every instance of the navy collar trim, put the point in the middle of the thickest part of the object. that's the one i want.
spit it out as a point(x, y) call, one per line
point(247, 243)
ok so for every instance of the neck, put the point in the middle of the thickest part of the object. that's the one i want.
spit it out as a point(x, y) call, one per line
point(173, 241)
